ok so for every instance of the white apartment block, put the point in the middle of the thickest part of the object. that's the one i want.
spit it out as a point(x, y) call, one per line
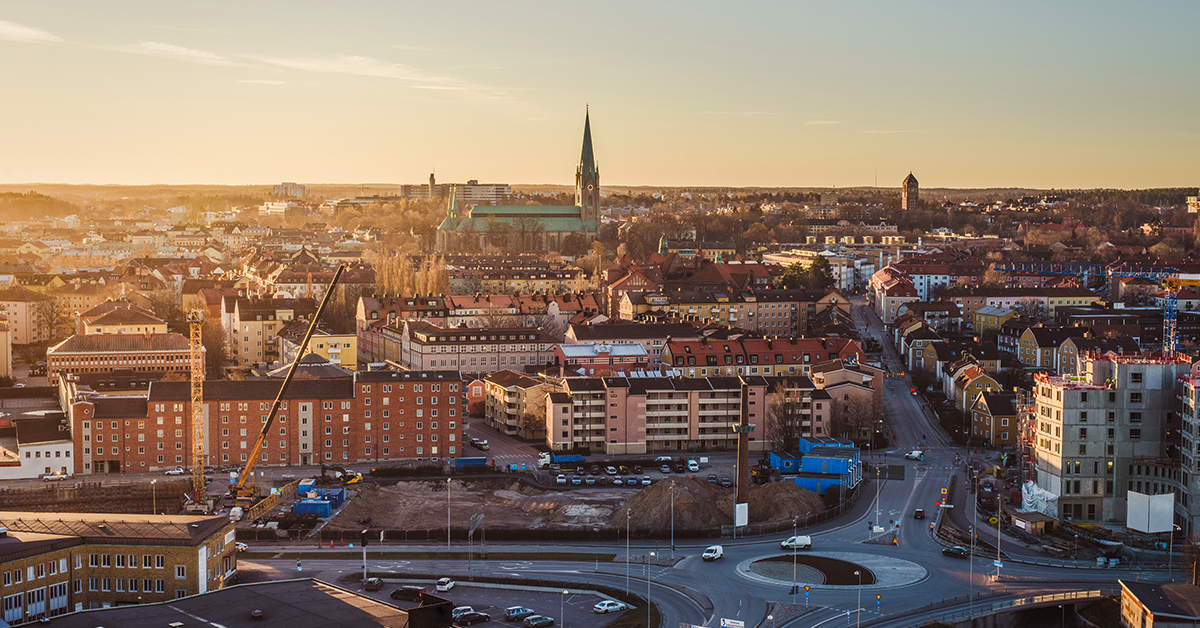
point(1102, 433)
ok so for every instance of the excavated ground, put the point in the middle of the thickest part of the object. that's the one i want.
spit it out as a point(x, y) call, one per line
point(509, 503)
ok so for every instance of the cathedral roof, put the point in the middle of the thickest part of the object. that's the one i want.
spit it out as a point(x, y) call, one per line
point(587, 160)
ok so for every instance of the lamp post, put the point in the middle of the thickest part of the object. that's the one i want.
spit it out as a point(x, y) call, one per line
point(859, 611)
point(447, 513)
point(794, 525)
point(772, 619)
point(562, 605)
point(1170, 551)
point(154, 496)
point(648, 590)
point(672, 518)
point(627, 514)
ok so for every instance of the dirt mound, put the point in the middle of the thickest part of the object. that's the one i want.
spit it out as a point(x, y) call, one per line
point(701, 505)
point(782, 500)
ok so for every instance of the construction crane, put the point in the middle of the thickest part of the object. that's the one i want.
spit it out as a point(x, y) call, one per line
point(1168, 276)
point(195, 319)
point(243, 493)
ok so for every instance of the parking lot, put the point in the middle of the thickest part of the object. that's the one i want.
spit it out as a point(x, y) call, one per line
point(576, 606)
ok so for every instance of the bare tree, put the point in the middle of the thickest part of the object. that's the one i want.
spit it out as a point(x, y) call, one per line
point(213, 336)
point(784, 417)
point(853, 418)
point(1032, 309)
point(495, 317)
point(533, 421)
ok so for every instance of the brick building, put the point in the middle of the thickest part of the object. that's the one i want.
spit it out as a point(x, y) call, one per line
point(104, 353)
point(371, 416)
point(473, 351)
point(55, 564)
point(756, 356)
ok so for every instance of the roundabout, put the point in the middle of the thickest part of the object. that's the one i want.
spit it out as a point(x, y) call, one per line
point(832, 570)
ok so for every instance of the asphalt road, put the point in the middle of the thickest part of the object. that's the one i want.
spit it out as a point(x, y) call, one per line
point(691, 591)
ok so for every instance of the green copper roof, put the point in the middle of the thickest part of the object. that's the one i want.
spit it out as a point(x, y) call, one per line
point(587, 160)
point(525, 210)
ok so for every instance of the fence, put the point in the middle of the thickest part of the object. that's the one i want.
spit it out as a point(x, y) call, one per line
point(122, 496)
point(979, 606)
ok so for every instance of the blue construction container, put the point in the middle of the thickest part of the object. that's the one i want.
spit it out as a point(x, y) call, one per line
point(320, 507)
point(786, 463)
point(306, 486)
point(337, 496)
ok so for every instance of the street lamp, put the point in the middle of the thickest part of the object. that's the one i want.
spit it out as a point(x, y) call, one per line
point(627, 514)
point(648, 590)
point(672, 518)
point(859, 611)
point(447, 513)
point(795, 521)
point(1170, 551)
point(154, 496)
point(772, 618)
point(562, 605)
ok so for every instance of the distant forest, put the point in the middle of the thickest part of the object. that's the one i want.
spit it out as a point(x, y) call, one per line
point(30, 206)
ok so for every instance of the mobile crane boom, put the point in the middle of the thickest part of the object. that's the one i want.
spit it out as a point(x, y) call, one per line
point(240, 491)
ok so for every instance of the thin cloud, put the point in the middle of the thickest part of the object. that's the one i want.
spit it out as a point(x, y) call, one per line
point(414, 48)
point(263, 82)
point(179, 53)
point(365, 66)
point(11, 31)
point(812, 122)
point(889, 131)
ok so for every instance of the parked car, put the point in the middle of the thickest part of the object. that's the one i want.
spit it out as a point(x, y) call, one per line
point(459, 610)
point(646, 481)
point(609, 606)
point(919, 513)
point(726, 482)
point(445, 584)
point(714, 552)
point(410, 592)
point(591, 479)
point(466, 619)
point(241, 547)
point(623, 470)
point(561, 479)
point(666, 459)
point(176, 471)
point(680, 467)
point(538, 621)
point(610, 470)
point(576, 480)
point(517, 613)
point(637, 469)
point(480, 443)
point(957, 551)
point(796, 542)
point(915, 454)
point(373, 584)
point(55, 477)
point(693, 466)
point(712, 477)
point(596, 469)
point(665, 468)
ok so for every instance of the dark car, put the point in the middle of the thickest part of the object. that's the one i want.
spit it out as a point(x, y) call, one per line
point(623, 470)
point(474, 617)
point(726, 482)
point(595, 469)
point(410, 592)
point(538, 621)
point(712, 477)
point(680, 467)
point(919, 513)
point(637, 469)
point(957, 551)
point(373, 584)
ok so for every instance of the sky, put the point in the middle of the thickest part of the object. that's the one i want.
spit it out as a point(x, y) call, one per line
point(681, 93)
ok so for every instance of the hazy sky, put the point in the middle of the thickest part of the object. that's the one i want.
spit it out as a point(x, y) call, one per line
point(788, 93)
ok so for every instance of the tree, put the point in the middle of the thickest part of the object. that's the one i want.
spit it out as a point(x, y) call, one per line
point(795, 276)
point(574, 245)
point(853, 417)
point(214, 339)
point(167, 304)
point(784, 417)
point(533, 421)
point(1032, 309)
point(53, 317)
point(820, 274)
point(1191, 555)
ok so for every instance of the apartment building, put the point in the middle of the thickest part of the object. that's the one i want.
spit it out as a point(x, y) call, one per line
point(5, 347)
point(890, 289)
point(652, 336)
point(1105, 432)
point(55, 564)
point(994, 418)
point(367, 416)
point(340, 349)
point(619, 415)
point(618, 360)
point(756, 356)
point(473, 351)
point(148, 353)
point(29, 315)
point(119, 317)
point(253, 326)
point(774, 312)
point(516, 404)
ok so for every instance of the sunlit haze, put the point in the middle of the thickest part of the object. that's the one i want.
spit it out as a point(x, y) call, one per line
point(1064, 94)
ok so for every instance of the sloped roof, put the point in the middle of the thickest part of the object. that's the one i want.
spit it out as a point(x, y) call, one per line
point(123, 528)
point(121, 343)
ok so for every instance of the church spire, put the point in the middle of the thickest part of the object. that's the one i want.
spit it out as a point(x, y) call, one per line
point(587, 177)
point(452, 202)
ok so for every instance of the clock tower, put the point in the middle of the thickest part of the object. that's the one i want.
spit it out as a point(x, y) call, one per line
point(587, 177)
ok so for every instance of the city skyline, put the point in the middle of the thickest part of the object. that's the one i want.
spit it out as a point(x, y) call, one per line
point(807, 95)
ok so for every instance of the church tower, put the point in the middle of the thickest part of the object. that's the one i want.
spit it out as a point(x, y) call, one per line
point(587, 177)
point(909, 193)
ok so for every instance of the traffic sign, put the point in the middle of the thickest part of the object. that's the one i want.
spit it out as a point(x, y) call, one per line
point(732, 623)
point(997, 563)
point(943, 492)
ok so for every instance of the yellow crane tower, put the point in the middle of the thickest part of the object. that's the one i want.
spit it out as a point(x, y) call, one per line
point(195, 319)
